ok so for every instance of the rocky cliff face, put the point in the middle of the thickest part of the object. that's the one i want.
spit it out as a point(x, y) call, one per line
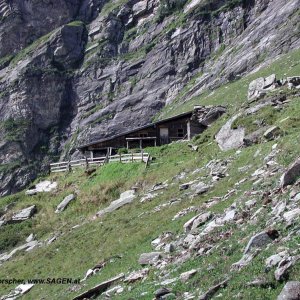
point(72, 71)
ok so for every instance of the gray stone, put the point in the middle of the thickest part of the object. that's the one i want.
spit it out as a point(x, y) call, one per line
point(30, 238)
point(187, 275)
point(291, 175)
point(261, 240)
point(125, 198)
point(197, 221)
point(272, 133)
point(275, 259)
point(137, 275)
point(23, 214)
point(63, 205)
point(291, 215)
point(212, 291)
point(149, 258)
point(291, 291)
point(42, 187)
point(228, 138)
point(284, 267)
point(161, 292)
point(199, 188)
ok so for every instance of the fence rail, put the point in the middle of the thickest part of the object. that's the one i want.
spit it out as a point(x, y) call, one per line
point(98, 161)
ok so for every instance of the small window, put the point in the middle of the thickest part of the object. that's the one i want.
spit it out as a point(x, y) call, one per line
point(180, 132)
point(143, 135)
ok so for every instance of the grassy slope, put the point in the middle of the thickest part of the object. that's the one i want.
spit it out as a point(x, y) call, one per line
point(130, 230)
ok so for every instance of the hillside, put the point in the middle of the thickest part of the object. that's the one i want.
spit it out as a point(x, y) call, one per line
point(72, 71)
point(237, 195)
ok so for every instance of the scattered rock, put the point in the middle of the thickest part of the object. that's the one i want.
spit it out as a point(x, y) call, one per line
point(30, 238)
point(272, 133)
point(162, 292)
point(212, 291)
point(291, 291)
point(44, 186)
point(125, 198)
point(284, 266)
point(149, 258)
point(260, 86)
point(27, 247)
point(137, 275)
point(291, 216)
point(260, 283)
point(199, 188)
point(228, 138)
point(275, 259)
point(100, 288)
point(197, 221)
point(23, 214)
point(244, 261)
point(291, 175)
point(261, 239)
point(18, 291)
point(63, 205)
point(187, 275)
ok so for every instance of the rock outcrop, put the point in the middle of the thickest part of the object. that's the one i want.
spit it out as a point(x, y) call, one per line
point(66, 82)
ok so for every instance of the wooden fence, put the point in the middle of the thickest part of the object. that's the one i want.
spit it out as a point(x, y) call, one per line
point(99, 161)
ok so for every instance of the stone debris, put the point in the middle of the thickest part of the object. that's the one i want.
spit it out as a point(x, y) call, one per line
point(261, 239)
point(197, 221)
point(162, 292)
point(42, 187)
point(291, 216)
point(272, 133)
point(259, 87)
point(259, 282)
point(117, 290)
point(149, 258)
point(100, 288)
point(63, 205)
point(18, 291)
point(213, 290)
point(291, 291)
point(184, 212)
point(137, 275)
point(26, 247)
point(125, 198)
point(228, 138)
point(245, 260)
point(23, 214)
point(275, 259)
point(291, 175)
point(199, 188)
point(184, 277)
point(284, 267)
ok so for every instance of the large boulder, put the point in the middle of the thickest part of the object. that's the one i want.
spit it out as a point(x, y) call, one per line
point(69, 45)
point(149, 258)
point(125, 198)
point(260, 86)
point(23, 214)
point(261, 240)
point(291, 175)
point(228, 138)
point(291, 291)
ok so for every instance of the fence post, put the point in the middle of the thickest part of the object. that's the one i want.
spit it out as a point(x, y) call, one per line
point(142, 155)
point(120, 157)
point(86, 163)
point(69, 167)
point(132, 156)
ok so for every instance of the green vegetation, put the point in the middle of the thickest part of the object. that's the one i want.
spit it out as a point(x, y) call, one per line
point(14, 129)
